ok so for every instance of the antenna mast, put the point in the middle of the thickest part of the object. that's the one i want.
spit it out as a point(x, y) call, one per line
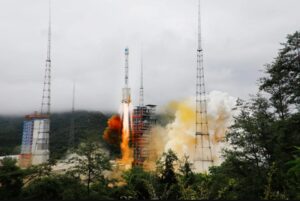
point(203, 152)
point(72, 125)
point(41, 145)
point(46, 99)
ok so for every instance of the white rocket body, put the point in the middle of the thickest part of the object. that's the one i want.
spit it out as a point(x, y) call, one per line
point(126, 97)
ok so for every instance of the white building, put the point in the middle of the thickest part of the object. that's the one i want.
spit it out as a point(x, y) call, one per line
point(35, 140)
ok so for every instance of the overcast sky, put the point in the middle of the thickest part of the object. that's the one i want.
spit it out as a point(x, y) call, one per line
point(89, 37)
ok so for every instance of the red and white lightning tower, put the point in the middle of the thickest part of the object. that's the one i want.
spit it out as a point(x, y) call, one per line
point(203, 153)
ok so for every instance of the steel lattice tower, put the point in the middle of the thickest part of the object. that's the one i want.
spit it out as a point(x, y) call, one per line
point(203, 152)
point(41, 151)
point(46, 98)
point(72, 124)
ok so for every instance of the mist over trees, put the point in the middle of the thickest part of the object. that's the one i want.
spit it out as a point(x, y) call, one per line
point(261, 163)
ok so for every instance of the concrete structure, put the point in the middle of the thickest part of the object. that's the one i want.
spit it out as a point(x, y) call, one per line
point(35, 140)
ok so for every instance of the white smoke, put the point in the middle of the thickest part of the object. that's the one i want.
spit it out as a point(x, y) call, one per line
point(179, 135)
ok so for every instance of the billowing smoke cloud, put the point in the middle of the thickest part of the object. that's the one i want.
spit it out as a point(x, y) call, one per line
point(179, 135)
point(113, 132)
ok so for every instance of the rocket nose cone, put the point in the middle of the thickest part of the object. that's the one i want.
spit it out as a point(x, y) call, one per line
point(126, 50)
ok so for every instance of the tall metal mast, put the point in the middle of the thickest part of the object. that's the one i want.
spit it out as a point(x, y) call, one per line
point(41, 146)
point(203, 152)
point(141, 102)
point(72, 125)
point(46, 99)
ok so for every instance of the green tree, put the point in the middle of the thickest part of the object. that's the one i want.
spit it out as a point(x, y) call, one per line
point(294, 173)
point(197, 189)
point(35, 172)
point(269, 193)
point(90, 163)
point(264, 133)
point(11, 179)
point(141, 183)
point(282, 83)
point(282, 80)
point(100, 190)
point(168, 187)
point(186, 180)
point(248, 158)
point(224, 183)
point(57, 187)
point(185, 170)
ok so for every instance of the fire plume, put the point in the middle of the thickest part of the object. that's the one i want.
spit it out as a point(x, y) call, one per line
point(113, 132)
point(125, 149)
point(118, 133)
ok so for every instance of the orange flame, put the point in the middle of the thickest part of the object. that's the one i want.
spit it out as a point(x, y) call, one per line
point(118, 133)
point(112, 133)
point(125, 149)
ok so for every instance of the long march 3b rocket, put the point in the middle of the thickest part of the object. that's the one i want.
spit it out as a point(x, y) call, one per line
point(126, 97)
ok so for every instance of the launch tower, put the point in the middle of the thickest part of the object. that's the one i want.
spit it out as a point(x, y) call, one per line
point(143, 120)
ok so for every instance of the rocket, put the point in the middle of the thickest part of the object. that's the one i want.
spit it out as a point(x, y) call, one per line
point(126, 97)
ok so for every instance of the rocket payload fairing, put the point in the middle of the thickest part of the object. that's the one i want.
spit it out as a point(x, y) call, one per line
point(126, 97)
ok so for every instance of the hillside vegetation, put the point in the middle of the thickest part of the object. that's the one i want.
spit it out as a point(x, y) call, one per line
point(87, 125)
